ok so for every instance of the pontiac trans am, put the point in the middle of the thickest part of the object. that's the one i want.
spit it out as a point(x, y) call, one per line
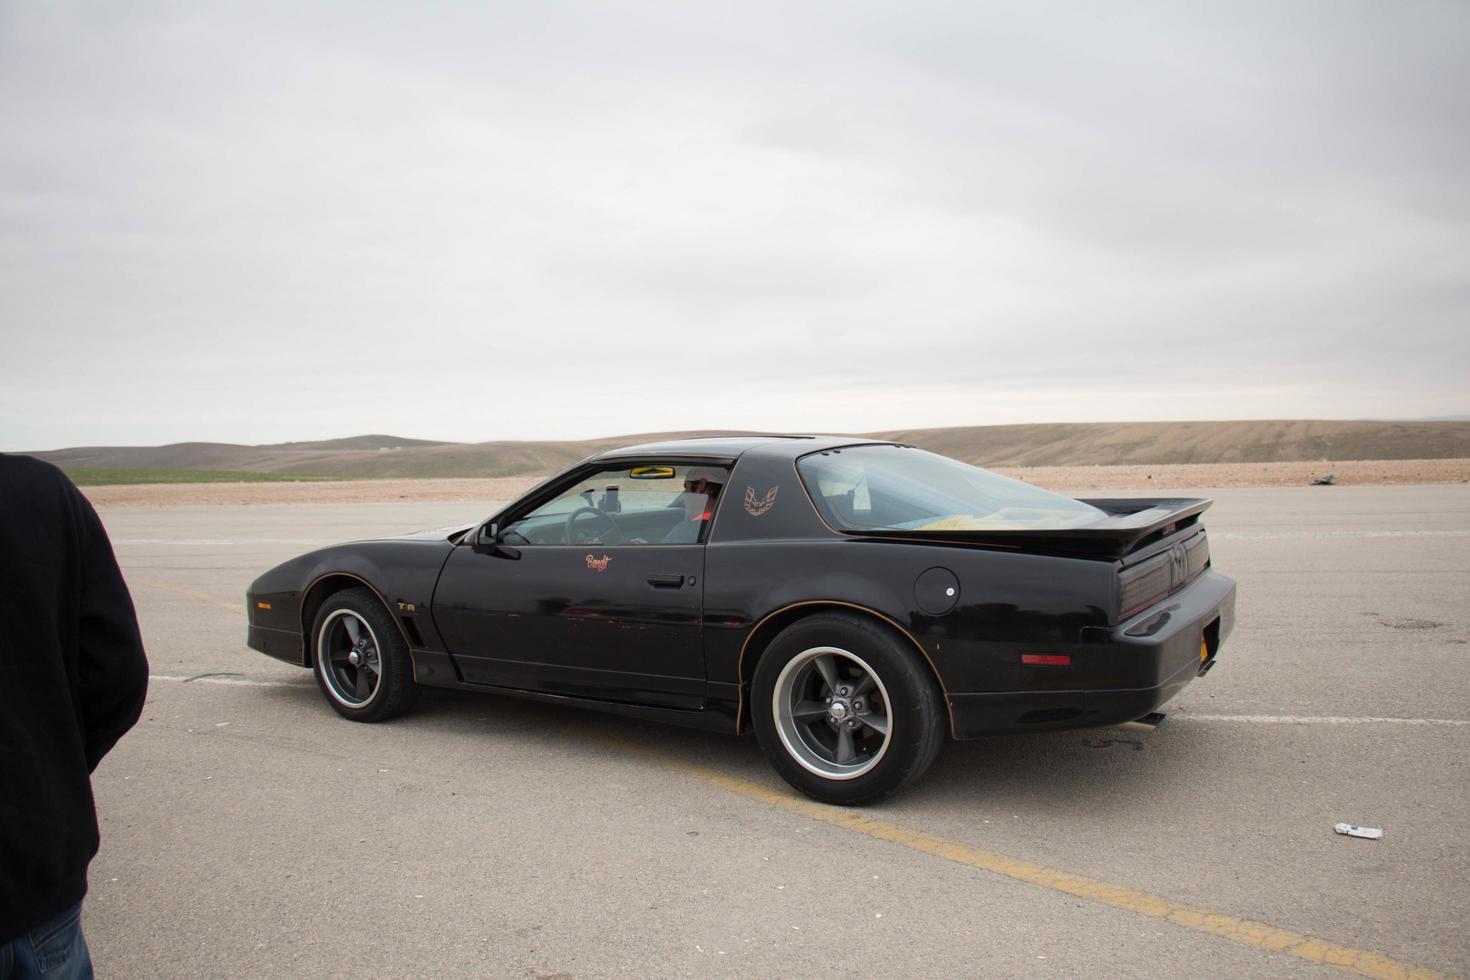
point(850, 602)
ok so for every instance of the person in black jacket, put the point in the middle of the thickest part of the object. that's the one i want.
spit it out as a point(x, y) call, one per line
point(73, 677)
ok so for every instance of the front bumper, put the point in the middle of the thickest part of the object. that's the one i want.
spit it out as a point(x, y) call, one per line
point(282, 644)
point(269, 628)
point(1143, 662)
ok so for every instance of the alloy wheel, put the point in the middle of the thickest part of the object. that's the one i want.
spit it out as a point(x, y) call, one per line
point(347, 649)
point(832, 712)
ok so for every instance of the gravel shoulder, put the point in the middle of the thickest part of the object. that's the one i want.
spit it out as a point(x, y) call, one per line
point(1067, 479)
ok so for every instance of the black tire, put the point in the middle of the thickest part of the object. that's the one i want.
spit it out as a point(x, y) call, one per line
point(895, 721)
point(360, 660)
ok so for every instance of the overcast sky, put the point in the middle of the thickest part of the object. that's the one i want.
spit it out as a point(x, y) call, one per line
point(263, 221)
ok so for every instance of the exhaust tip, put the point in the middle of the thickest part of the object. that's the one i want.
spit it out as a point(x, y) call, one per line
point(1147, 723)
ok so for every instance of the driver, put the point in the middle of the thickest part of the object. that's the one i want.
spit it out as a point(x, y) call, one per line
point(702, 485)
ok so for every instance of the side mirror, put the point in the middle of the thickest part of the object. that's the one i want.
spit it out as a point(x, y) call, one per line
point(487, 541)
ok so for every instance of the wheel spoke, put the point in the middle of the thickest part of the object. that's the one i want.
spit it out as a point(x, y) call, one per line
point(364, 685)
point(875, 721)
point(845, 751)
point(352, 629)
point(827, 667)
point(809, 711)
point(865, 685)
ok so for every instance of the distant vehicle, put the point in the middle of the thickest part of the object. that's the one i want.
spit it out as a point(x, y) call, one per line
point(848, 601)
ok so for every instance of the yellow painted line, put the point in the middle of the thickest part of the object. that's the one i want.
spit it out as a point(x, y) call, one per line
point(1261, 935)
point(236, 607)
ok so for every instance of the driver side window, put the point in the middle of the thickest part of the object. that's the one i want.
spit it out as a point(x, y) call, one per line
point(626, 505)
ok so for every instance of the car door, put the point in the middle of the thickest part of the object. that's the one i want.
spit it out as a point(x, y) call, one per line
point(573, 599)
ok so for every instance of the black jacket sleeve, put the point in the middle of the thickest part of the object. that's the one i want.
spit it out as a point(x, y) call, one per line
point(112, 667)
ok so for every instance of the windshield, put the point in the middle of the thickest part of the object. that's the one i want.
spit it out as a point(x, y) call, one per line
point(899, 488)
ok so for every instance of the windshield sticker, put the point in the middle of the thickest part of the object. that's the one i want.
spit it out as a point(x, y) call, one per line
point(598, 564)
point(756, 506)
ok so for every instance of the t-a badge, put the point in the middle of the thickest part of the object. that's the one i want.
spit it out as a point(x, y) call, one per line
point(598, 564)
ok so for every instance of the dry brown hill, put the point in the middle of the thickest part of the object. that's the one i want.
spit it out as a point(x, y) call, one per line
point(1050, 444)
point(1119, 443)
point(359, 457)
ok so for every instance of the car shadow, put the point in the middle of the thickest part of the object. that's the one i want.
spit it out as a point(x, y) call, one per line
point(1106, 769)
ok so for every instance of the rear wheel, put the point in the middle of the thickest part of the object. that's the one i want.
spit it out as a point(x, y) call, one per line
point(361, 662)
point(844, 710)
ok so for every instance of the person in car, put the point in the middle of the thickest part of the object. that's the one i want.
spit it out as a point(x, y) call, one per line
point(702, 485)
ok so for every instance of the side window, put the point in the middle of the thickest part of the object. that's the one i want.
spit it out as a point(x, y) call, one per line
point(846, 493)
point(626, 505)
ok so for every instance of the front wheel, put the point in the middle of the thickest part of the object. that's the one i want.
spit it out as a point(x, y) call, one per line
point(361, 662)
point(844, 711)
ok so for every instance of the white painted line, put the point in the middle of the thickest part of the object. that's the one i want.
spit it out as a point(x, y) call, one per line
point(1320, 720)
point(1319, 535)
point(226, 679)
point(240, 680)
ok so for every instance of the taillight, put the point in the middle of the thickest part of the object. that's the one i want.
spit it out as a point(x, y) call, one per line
point(1145, 584)
point(1197, 555)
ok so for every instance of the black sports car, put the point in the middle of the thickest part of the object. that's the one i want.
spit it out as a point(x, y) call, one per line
point(850, 602)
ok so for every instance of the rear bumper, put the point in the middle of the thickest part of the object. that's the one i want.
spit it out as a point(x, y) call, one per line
point(1158, 651)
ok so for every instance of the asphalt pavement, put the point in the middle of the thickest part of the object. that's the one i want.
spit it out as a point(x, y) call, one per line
point(248, 831)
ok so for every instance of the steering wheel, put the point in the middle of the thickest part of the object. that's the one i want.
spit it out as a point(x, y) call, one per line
point(572, 532)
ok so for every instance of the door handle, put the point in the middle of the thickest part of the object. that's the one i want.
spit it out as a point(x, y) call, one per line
point(666, 581)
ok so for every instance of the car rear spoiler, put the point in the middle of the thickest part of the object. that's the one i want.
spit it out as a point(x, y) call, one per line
point(1130, 524)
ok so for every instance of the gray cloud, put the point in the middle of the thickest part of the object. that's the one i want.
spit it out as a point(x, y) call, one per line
point(270, 221)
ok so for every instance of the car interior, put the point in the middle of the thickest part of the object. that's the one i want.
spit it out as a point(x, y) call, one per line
point(630, 505)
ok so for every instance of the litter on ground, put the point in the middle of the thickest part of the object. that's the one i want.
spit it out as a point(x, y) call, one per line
point(1353, 830)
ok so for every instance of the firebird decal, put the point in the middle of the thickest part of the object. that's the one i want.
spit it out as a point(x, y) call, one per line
point(754, 506)
point(598, 564)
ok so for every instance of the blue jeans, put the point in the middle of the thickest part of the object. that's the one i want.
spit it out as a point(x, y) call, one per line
point(54, 950)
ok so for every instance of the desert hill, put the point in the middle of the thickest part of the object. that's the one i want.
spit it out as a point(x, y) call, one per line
point(1122, 443)
point(360, 457)
point(1049, 444)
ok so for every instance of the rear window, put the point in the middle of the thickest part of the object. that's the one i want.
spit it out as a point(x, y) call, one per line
point(899, 488)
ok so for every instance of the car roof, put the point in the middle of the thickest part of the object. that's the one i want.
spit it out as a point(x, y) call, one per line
point(732, 447)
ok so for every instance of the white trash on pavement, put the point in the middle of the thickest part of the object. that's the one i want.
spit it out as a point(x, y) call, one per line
point(1353, 830)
